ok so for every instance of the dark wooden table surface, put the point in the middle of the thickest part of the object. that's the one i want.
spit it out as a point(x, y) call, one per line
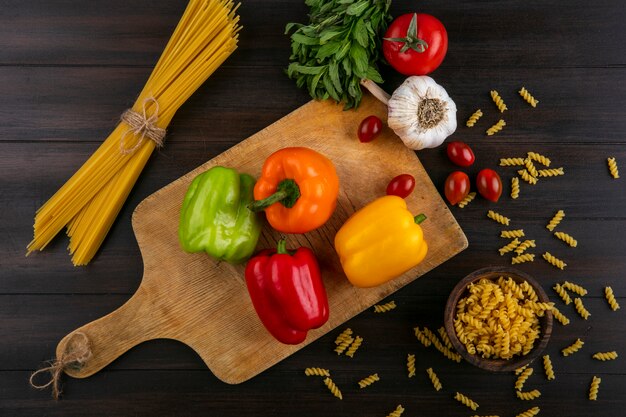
point(67, 70)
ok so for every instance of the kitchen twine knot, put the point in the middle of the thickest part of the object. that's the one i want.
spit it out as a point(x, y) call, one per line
point(77, 352)
point(143, 125)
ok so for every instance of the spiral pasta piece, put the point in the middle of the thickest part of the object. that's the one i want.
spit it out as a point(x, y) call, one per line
point(410, 365)
point(525, 245)
point(495, 96)
point(468, 199)
point(575, 288)
point(527, 396)
point(511, 162)
point(560, 317)
point(474, 118)
point(605, 356)
point(610, 298)
point(566, 238)
point(510, 234)
point(343, 336)
point(613, 167)
point(558, 216)
point(434, 379)
point(422, 337)
point(553, 260)
point(530, 167)
point(444, 337)
point(341, 347)
point(509, 246)
point(551, 172)
point(498, 217)
point(514, 188)
point(496, 127)
point(526, 176)
point(383, 308)
point(369, 380)
point(594, 388)
point(397, 412)
point(448, 353)
point(531, 412)
point(354, 346)
point(316, 372)
point(543, 160)
point(522, 378)
point(573, 348)
point(548, 368)
point(525, 257)
point(580, 308)
point(562, 293)
point(333, 388)
point(465, 400)
point(528, 97)
point(521, 369)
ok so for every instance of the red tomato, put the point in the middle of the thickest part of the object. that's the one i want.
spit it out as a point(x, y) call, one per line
point(489, 184)
point(402, 185)
point(460, 153)
point(369, 128)
point(415, 44)
point(457, 187)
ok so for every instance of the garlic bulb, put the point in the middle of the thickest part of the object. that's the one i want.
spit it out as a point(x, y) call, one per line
point(421, 113)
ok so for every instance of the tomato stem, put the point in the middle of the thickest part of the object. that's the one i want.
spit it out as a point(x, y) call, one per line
point(411, 40)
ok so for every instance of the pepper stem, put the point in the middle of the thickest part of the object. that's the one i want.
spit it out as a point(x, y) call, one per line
point(419, 218)
point(281, 247)
point(287, 193)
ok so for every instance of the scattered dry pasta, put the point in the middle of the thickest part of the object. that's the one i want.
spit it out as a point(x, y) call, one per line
point(341, 347)
point(530, 167)
point(525, 245)
point(547, 367)
point(498, 217)
point(333, 388)
point(496, 128)
point(434, 379)
point(605, 356)
point(474, 118)
point(316, 372)
point(468, 199)
point(558, 216)
point(367, 381)
point(580, 308)
point(445, 338)
point(514, 187)
point(511, 162)
point(560, 317)
point(610, 298)
point(613, 167)
point(528, 97)
point(521, 379)
point(510, 234)
point(354, 346)
point(521, 369)
point(383, 308)
point(463, 399)
point(410, 365)
point(509, 246)
point(527, 396)
point(554, 261)
point(526, 176)
point(397, 412)
point(573, 348)
point(448, 353)
point(562, 293)
point(525, 257)
point(575, 288)
point(422, 337)
point(343, 336)
point(498, 101)
point(566, 238)
point(530, 412)
point(539, 158)
point(594, 388)
point(552, 172)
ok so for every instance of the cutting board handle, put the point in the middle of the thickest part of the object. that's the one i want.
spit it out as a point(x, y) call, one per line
point(110, 336)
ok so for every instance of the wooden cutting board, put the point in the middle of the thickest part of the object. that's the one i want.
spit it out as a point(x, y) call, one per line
point(205, 304)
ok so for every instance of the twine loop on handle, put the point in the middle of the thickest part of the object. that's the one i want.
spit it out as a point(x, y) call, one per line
point(143, 125)
point(77, 352)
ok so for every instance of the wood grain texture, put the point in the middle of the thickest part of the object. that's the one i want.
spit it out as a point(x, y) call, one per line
point(67, 70)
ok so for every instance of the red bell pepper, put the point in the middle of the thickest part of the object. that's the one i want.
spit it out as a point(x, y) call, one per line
point(287, 292)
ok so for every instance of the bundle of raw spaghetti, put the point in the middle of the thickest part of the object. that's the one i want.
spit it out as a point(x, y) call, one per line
point(88, 203)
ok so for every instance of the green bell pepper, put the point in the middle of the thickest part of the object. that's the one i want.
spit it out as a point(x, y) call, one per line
point(215, 217)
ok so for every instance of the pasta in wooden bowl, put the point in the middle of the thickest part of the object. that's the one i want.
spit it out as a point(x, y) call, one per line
point(498, 318)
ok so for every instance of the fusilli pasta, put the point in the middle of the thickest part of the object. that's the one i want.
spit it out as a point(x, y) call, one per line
point(562, 293)
point(575, 288)
point(511, 162)
point(397, 412)
point(528, 97)
point(444, 337)
point(465, 400)
point(422, 337)
point(543, 160)
point(367, 381)
point(343, 336)
point(410, 365)
point(530, 395)
point(448, 353)
point(530, 412)
point(498, 217)
point(566, 238)
point(525, 245)
point(434, 379)
point(594, 388)
point(559, 215)
point(547, 367)
point(496, 127)
point(514, 187)
point(333, 388)
point(560, 317)
point(552, 260)
point(509, 246)
point(522, 378)
point(383, 308)
point(474, 118)
point(525, 257)
point(341, 347)
point(580, 308)
point(613, 167)
point(510, 234)
point(530, 167)
point(526, 176)
point(498, 101)
point(521, 369)
point(610, 298)
point(573, 348)
point(354, 346)
point(316, 372)
point(551, 172)
point(605, 356)
point(468, 199)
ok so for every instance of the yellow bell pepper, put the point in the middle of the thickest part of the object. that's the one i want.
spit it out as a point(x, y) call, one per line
point(380, 242)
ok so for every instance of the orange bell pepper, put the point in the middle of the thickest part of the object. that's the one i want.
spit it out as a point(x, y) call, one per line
point(380, 242)
point(298, 190)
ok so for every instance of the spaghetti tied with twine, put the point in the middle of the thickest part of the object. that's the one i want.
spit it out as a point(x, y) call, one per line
point(142, 125)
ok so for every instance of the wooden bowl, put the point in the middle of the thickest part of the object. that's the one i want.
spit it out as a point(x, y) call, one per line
point(496, 365)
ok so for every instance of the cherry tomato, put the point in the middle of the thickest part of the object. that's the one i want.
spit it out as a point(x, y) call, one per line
point(460, 153)
point(457, 187)
point(489, 184)
point(369, 128)
point(415, 44)
point(402, 185)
